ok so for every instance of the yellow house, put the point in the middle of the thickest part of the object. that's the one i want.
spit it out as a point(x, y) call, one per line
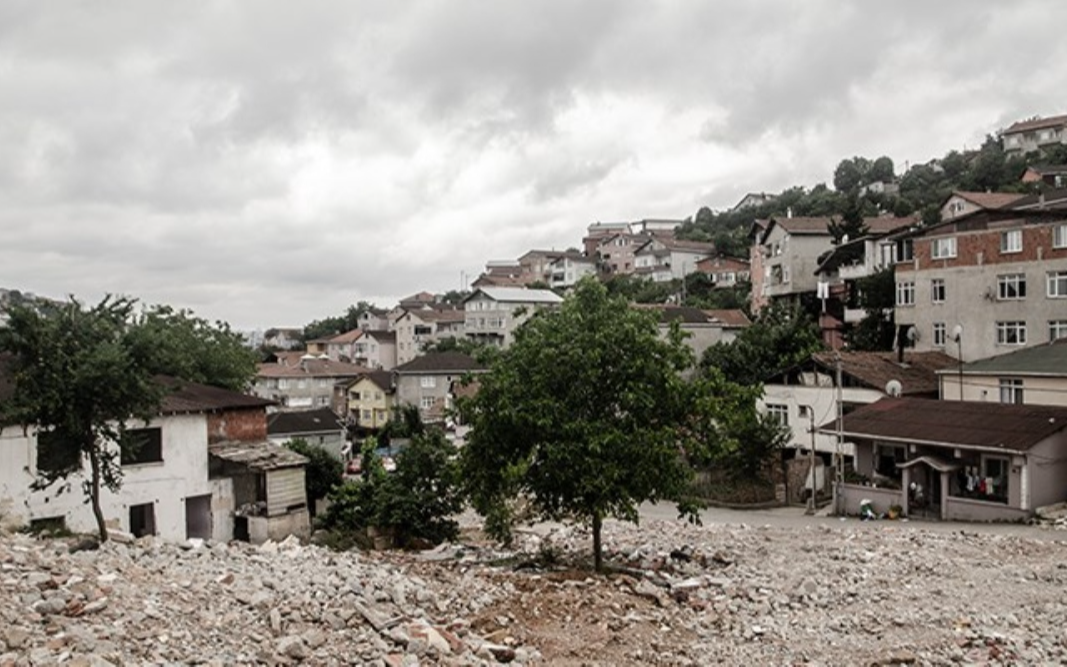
point(370, 399)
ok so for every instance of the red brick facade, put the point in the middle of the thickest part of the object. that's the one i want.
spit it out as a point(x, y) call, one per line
point(242, 425)
point(974, 248)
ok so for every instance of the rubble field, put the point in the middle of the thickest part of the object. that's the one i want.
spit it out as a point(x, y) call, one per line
point(677, 595)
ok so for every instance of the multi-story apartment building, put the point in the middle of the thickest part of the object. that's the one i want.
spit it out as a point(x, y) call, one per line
point(376, 349)
point(299, 381)
point(986, 284)
point(370, 399)
point(664, 258)
point(1031, 135)
point(417, 328)
point(567, 269)
point(492, 314)
point(426, 382)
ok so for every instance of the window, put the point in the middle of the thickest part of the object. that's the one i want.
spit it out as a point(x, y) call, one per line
point(886, 458)
point(283, 383)
point(1011, 241)
point(1011, 333)
point(142, 445)
point(301, 383)
point(1012, 286)
point(939, 334)
point(426, 402)
point(905, 294)
point(322, 401)
point(906, 250)
point(143, 519)
point(427, 382)
point(1057, 329)
point(943, 248)
point(366, 415)
point(324, 382)
point(1057, 284)
point(804, 411)
point(937, 290)
point(53, 455)
point(778, 413)
point(993, 485)
point(1011, 391)
point(1059, 236)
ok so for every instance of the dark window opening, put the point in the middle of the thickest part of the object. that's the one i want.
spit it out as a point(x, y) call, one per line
point(143, 445)
point(55, 455)
point(143, 519)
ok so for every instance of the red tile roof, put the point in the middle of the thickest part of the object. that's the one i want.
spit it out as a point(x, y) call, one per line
point(1036, 124)
point(990, 200)
point(917, 374)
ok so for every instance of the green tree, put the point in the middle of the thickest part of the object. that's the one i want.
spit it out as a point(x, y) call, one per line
point(417, 502)
point(781, 336)
point(178, 343)
point(337, 324)
point(321, 474)
point(850, 224)
point(80, 379)
point(851, 173)
point(581, 417)
point(881, 170)
point(877, 294)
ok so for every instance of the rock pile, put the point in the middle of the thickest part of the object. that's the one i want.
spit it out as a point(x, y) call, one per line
point(852, 594)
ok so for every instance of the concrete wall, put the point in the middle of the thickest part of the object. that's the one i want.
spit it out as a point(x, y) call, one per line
point(799, 255)
point(1036, 390)
point(821, 398)
point(164, 485)
point(849, 497)
point(1047, 471)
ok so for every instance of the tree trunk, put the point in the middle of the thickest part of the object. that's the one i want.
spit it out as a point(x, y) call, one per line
point(598, 559)
point(94, 492)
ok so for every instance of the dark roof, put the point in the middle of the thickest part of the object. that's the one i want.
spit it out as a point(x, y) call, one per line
point(303, 421)
point(731, 317)
point(670, 313)
point(387, 336)
point(917, 375)
point(441, 362)
point(384, 379)
point(966, 424)
point(1048, 360)
point(990, 200)
point(184, 397)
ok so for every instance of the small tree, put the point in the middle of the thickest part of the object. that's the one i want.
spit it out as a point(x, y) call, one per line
point(781, 336)
point(321, 474)
point(416, 502)
point(582, 417)
point(80, 379)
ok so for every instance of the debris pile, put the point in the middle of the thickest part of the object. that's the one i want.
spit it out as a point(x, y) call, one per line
point(677, 595)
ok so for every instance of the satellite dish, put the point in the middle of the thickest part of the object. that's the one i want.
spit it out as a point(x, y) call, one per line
point(957, 332)
point(913, 334)
point(894, 388)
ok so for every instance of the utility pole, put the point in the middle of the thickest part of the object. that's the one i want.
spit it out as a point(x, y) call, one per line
point(840, 416)
point(811, 465)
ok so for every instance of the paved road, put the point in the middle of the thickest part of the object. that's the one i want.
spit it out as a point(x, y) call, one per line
point(796, 517)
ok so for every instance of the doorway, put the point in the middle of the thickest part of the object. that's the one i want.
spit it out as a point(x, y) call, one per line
point(198, 517)
point(143, 519)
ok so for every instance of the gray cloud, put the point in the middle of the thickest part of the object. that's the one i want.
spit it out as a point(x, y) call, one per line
point(271, 164)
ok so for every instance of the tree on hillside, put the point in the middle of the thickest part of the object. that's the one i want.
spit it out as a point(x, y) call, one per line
point(80, 380)
point(338, 324)
point(580, 417)
point(851, 173)
point(877, 295)
point(177, 343)
point(781, 336)
point(850, 225)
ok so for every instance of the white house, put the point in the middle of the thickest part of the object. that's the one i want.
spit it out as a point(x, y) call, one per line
point(204, 470)
point(492, 314)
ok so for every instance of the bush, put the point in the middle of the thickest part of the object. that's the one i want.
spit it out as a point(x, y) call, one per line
point(414, 504)
point(322, 473)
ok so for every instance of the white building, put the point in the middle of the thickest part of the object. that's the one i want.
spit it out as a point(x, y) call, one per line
point(492, 314)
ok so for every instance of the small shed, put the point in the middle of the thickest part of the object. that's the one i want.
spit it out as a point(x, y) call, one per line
point(269, 493)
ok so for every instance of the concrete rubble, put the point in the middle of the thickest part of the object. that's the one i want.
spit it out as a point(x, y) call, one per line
point(678, 595)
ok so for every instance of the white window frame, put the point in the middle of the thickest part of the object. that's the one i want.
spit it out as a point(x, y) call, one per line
point(943, 248)
point(1011, 390)
point(427, 381)
point(1011, 241)
point(1011, 333)
point(778, 412)
point(1011, 287)
point(940, 334)
point(1059, 236)
point(1057, 329)
point(1056, 284)
point(937, 290)
point(905, 294)
point(426, 402)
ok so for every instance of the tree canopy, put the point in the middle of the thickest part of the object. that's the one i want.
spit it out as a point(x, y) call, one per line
point(781, 336)
point(337, 324)
point(83, 373)
point(581, 417)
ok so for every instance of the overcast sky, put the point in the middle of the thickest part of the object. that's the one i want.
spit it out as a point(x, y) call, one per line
point(269, 163)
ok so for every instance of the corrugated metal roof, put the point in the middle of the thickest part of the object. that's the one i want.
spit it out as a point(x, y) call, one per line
point(917, 374)
point(184, 396)
point(257, 456)
point(965, 424)
point(1046, 360)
